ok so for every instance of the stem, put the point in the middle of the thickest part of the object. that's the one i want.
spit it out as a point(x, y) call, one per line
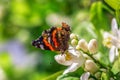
point(96, 61)
point(92, 76)
point(108, 68)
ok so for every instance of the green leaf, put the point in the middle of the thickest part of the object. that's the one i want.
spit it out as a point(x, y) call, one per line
point(96, 10)
point(5, 61)
point(104, 76)
point(68, 78)
point(98, 17)
point(115, 4)
point(85, 28)
point(116, 67)
point(118, 16)
point(72, 76)
point(118, 76)
point(1, 32)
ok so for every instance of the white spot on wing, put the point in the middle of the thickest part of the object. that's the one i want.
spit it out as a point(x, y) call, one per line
point(49, 39)
point(41, 46)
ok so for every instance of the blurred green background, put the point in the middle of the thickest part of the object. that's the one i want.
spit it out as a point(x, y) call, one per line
point(22, 21)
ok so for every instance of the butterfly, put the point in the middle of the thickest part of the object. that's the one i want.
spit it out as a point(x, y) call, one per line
point(54, 39)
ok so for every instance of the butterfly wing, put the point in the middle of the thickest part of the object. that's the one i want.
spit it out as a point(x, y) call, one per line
point(54, 39)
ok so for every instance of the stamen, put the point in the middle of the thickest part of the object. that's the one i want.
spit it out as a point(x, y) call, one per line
point(68, 56)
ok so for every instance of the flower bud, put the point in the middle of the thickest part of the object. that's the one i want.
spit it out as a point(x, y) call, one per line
point(93, 46)
point(74, 42)
point(85, 76)
point(91, 66)
point(73, 36)
point(83, 45)
point(98, 75)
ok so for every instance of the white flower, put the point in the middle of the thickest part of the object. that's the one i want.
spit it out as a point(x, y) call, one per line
point(107, 39)
point(112, 40)
point(85, 76)
point(72, 58)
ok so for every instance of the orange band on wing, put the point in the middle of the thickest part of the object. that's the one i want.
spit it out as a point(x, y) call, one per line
point(47, 44)
point(54, 38)
point(59, 28)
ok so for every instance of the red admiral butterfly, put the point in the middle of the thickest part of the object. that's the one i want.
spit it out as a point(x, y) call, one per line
point(54, 39)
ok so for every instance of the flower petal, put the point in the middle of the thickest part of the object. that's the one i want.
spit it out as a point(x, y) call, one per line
point(61, 59)
point(106, 35)
point(107, 39)
point(116, 42)
point(119, 34)
point(78, 57)
point(116, 52)
point(78, 61)
point(85, 76)
point(112, 54)
point(72, 68)
point(114, 27)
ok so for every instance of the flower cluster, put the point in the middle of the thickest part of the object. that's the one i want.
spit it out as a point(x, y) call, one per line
point(112, 40)
point(78, 56)
point(82, 54)
point(81, 44)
